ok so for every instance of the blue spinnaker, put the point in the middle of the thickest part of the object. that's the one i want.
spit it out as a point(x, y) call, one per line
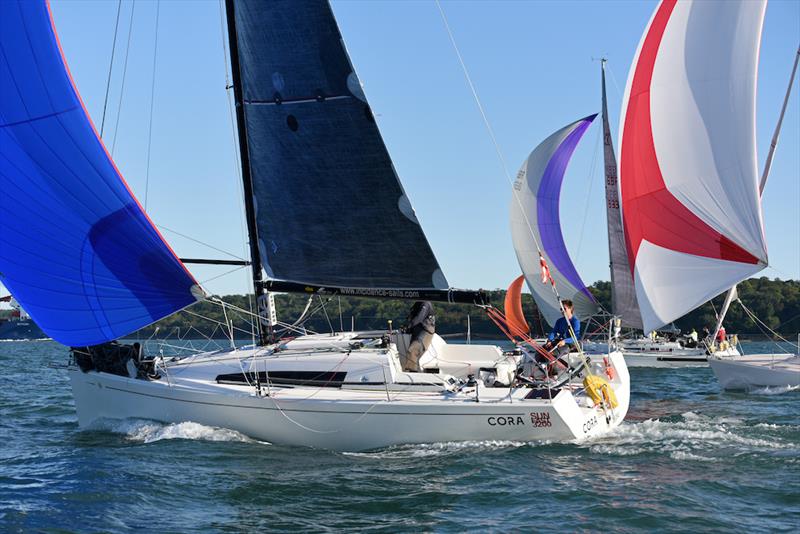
point(76, 248)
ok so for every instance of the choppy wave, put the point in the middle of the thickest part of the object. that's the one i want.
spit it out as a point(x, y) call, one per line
point(422, 450)
point(692, 437)
point(149, 431)
point(777, 390)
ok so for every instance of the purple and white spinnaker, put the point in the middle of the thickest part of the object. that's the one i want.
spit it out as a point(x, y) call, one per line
point(535, 218)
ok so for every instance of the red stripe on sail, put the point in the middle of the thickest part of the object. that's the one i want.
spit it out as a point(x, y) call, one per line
point(649, 210)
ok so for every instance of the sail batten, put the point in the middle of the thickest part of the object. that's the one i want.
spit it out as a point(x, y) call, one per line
point(76, 248)
point(536, 203)
point(329, 207)
point(689, 182)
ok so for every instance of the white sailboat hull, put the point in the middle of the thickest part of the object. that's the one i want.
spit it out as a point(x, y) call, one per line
point(349, 419)
point(757, 370)
point(668, 354)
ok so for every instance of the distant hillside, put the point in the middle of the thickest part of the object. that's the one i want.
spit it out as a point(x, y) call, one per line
point(775, 302)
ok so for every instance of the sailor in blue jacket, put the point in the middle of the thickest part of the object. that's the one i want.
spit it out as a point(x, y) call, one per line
point(561, 337)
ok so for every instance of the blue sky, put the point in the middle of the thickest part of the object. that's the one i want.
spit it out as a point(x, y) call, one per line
point(532, 66)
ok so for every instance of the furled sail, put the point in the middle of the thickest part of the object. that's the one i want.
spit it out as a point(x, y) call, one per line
point(330, 209)
point(76, 249)
point(535, 217)
point(623, 293)
point(688, 176)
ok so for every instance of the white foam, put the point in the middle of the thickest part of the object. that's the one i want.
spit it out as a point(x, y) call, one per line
point(422, 450)
point(150, 432)
point(694, 437)
point(778, 390)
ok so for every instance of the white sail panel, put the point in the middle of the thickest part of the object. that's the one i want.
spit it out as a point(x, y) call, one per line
point(703, 107)
point(535, 218)
point(688, 174)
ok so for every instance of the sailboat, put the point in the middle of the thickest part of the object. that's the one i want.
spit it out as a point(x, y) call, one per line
point(759, 370)
point(689, 182)
point(645, 351)
point(326, 214)
point(539, 184)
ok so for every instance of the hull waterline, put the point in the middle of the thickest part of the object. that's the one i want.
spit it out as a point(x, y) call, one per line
point(349, 420)
point(757, 370)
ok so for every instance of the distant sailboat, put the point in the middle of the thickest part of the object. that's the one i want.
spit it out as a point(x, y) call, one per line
point(326, 214)
point(688, 167)
point(641, 352)
point(536, 227)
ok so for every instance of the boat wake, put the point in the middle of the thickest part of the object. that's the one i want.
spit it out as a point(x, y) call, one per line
point(444, 448)
point(777, 390)
point(142, 431)
point(692, 437)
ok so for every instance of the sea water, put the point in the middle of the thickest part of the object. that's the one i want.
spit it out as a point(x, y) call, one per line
point(689, 457)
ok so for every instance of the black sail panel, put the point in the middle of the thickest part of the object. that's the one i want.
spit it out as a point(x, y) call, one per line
point(330, 209)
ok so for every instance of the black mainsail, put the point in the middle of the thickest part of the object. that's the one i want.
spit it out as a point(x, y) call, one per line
point(326, 206)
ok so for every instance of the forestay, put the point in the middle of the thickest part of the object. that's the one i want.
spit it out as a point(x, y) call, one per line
point(76, 249)
point(535, 218)
point(689, 181)
point(330, 209)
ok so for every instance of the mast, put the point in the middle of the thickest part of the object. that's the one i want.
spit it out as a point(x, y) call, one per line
point(606, 146)
point(265, 333)
point(623, 293)
point(774, 143)
point(763, 182)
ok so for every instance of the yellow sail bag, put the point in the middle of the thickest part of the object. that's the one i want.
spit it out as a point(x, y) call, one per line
point(599, 390)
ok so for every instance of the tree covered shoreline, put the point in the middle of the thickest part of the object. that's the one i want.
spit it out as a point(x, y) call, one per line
point(775, 302)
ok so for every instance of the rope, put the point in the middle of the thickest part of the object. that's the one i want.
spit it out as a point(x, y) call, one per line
point(758, 322)
point(505, 168)
point(487, 124)
point(124, 75)
point(152, 102)
point(110, 68)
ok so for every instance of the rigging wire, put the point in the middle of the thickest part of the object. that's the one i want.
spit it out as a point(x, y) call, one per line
point(124, 75)
point(223, 274)
point(152, 102)
point(614, 79)
point(237, 162)
point(162, 227)
point(508, 175)
point(759, 323)
point(110, 68)
point(486, 123)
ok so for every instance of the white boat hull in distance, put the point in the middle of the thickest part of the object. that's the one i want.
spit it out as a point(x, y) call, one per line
point(350, 417)
point(669, 354)
point(757, 370)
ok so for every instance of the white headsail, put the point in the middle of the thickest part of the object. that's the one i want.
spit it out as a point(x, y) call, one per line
point(688, 171)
